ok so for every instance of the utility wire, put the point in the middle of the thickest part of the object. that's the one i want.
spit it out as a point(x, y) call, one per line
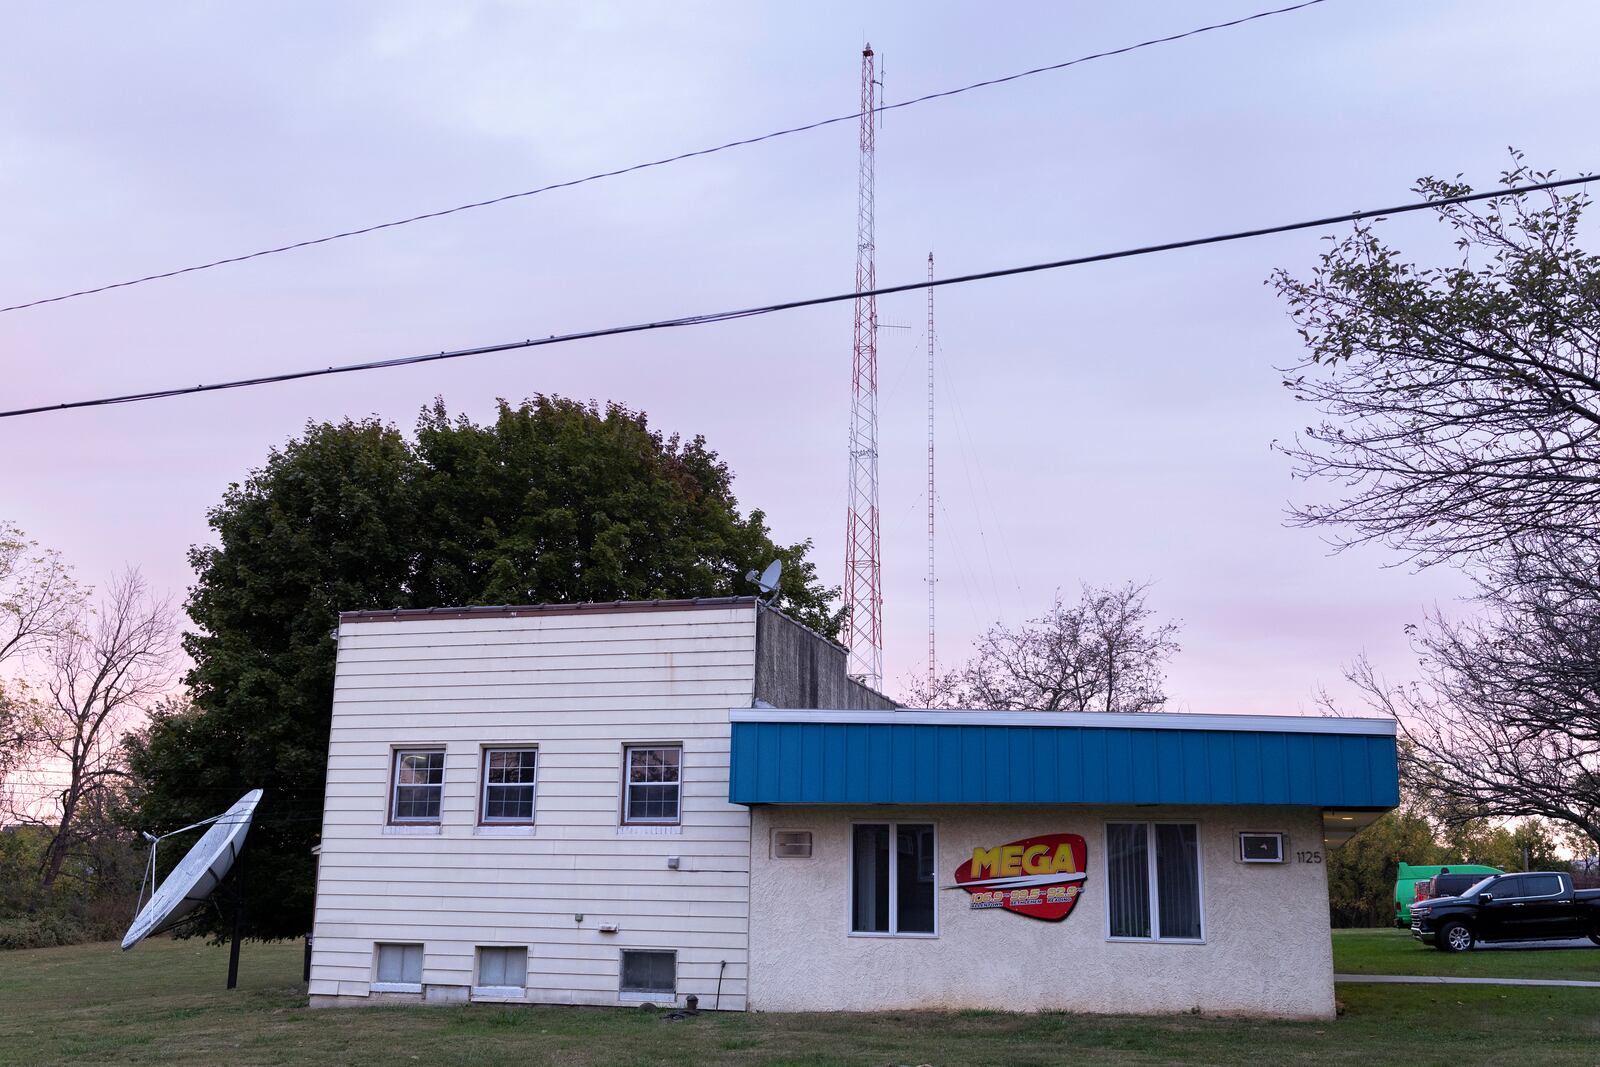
point(659, 162)
point(815, 301)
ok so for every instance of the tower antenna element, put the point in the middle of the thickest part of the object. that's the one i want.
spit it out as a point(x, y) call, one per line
point(863, 577)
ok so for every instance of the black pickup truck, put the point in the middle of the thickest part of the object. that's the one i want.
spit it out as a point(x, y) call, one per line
point(1536, 906)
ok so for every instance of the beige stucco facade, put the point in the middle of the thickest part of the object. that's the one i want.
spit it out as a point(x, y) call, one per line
point(1266, 948)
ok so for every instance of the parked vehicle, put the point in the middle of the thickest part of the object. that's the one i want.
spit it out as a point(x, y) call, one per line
point(1447, 884)
point(1405, 886)
point(1535, 906)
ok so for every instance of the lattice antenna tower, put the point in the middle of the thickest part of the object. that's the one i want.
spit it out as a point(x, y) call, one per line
point(863, 577)
point(932, 575)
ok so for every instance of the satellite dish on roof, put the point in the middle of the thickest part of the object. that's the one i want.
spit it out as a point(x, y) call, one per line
point(198, 874)
point(768, 579)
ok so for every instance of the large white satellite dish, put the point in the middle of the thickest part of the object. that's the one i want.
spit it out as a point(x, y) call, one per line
point(197, 874)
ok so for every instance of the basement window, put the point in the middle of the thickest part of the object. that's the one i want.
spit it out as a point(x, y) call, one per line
point(503, 970)
point(654, 973)
point(398, 969)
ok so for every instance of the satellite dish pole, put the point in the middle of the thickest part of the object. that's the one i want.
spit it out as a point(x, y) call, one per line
point(238, 916)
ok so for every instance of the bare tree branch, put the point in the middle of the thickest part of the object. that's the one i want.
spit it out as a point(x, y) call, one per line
point(1103, 653)
point(103, 671)
point(38, 601)
point(1461, 422)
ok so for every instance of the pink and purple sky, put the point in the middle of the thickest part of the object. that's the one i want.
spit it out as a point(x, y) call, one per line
point(1098, 424)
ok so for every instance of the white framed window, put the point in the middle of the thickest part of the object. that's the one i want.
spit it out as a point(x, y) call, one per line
point(418, 790)
point(510, 777)
point(397, 968)
point(649, 971)
point(503, 969)
point(1153, 883)
point(652, 784)
point(892, 892)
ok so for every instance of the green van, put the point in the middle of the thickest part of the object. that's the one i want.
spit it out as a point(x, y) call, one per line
point(1405, 886)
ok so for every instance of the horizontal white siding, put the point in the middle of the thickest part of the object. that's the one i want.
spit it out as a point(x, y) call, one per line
point(578, 687)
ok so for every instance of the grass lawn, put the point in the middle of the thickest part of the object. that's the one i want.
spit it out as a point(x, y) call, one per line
point(1397, 952)
point(163, 1003)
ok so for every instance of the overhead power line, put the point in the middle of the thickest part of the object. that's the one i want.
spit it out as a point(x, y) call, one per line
point(815, 301)
point(664, 161)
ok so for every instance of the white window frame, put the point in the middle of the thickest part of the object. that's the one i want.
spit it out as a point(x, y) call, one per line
point(393, 819)
point(484, 818)
point(894, 871)
point(1154, 883)
point(628, 818)
point(1262, 833)
point(641, 996)
point(498, 992)
point(376, 986)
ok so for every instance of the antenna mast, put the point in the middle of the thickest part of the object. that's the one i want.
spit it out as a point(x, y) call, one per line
point(863, 580)
point(932, 668)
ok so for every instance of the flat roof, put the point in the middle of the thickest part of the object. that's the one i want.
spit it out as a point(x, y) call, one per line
point(513, 611)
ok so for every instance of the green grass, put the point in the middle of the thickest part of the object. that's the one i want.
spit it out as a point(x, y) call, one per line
point(164, 1003)
point(1397, 952)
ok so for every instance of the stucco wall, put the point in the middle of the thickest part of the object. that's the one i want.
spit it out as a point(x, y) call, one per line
point(1267, 949)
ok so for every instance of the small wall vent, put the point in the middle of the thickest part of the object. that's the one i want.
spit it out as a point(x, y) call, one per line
point(791, 844)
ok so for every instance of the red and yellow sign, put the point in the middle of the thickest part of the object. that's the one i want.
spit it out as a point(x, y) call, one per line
point(1040, 877)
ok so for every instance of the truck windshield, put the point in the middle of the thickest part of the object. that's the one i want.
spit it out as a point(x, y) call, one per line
point(1478, 887)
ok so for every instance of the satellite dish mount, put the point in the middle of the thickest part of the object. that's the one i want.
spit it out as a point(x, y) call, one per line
point(767, 581)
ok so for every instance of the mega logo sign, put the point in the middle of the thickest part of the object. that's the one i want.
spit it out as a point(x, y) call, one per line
point(1040, 877)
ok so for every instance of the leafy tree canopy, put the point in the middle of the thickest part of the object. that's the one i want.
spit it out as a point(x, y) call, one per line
point(553, 500)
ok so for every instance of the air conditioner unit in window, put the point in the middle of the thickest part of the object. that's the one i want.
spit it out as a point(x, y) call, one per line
point(1260, 846)
point(791, 844)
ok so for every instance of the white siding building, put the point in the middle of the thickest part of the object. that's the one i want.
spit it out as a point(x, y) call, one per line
point(613, 804)
point(476, 801)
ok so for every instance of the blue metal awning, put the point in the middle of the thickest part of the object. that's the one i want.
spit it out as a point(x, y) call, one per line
point(940, 757)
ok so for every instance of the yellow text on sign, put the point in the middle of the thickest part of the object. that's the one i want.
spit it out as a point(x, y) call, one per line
point(1015, 859)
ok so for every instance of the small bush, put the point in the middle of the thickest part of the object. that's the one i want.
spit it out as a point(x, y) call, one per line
point(42, 931)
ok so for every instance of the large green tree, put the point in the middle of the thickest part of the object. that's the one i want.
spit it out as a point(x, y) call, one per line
point(554, 500)
point(1362, 871)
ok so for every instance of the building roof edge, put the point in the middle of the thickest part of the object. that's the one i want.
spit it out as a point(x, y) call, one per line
point(1287, 724)
point(513, 611)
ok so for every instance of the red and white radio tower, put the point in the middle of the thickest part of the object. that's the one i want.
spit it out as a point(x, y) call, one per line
point(863, 578)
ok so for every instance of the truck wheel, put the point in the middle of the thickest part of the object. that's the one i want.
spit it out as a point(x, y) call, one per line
point(1595, 938)
point(1454, 937)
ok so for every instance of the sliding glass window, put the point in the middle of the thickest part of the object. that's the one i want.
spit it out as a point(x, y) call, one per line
point(892, 867)
point(1153, 882)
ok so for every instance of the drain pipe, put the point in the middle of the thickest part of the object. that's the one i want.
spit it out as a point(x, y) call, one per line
point(717, 1003)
